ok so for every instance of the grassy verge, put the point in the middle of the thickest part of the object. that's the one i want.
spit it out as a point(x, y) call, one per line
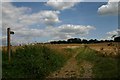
point(32, 62)
point(103, 67)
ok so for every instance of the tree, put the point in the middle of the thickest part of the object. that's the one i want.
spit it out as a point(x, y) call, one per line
point(84, 41)
point(117, 39)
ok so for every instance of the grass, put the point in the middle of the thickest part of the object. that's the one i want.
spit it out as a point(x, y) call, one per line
point(70, 51)
point(32, 62)
point(38, 61)
point(103, 67)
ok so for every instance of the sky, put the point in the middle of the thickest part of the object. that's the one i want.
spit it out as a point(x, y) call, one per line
point(47, 21)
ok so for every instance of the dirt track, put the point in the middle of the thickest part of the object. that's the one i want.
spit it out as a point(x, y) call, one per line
point(72, 70)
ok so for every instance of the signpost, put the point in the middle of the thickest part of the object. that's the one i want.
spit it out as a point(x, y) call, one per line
point(8, 42)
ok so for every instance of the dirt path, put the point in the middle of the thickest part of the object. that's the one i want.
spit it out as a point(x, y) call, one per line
point(71, 70)
point(86, 70)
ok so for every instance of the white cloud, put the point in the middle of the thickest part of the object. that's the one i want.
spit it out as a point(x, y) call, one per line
point(111, 8)
point(61, 32)
point(61, 4)
point(68, 30)
point(53, 0)
point(110, 34)
point(27, 32)
point(114, 32)
point(19, 19)
point(77, 29)
point(47, 17)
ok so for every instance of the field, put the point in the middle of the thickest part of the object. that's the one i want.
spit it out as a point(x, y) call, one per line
point(62, 61)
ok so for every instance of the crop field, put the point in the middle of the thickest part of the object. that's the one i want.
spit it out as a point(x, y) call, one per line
point(49, 61)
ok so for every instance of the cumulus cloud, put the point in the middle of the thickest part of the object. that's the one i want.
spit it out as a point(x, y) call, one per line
point(76, 29)
point(19, 19)
point(68, 30)
point(61, 4)
point(27, 32)
point(47, 17)
point(60, 32)
point(114, 32)
point(110, 34)
point(111, 8)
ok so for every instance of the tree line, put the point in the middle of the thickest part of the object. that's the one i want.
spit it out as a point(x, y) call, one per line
point(85, 41)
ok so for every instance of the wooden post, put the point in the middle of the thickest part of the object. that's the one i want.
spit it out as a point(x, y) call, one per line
point(8, 43)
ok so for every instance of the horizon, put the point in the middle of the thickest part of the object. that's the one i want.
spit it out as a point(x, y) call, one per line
point(50, 42)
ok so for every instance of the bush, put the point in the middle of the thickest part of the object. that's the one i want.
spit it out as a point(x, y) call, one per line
point(32, 62)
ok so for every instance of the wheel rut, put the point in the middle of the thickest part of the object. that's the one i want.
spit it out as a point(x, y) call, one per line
point(72, 70)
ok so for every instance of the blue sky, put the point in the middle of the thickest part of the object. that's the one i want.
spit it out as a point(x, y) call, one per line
point(84, 13)
point(81, 14)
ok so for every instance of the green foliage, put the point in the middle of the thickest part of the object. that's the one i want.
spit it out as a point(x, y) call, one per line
point(103, 67)
point(106, 68)
point(32, 62)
